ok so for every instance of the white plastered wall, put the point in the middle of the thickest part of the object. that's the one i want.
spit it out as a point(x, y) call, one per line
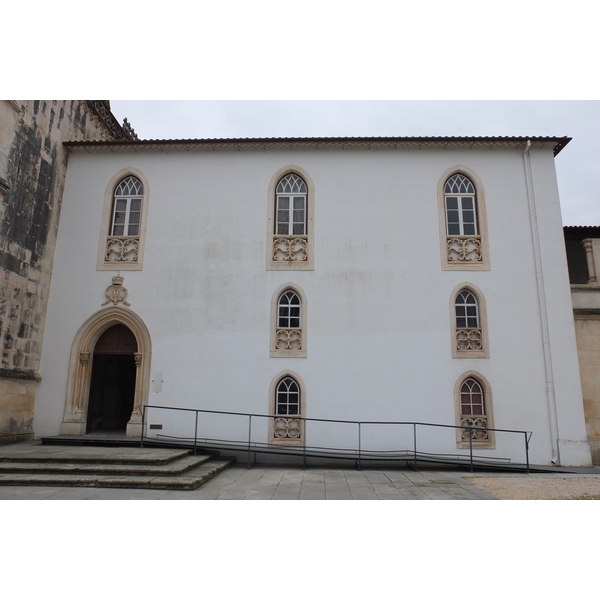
point(377, 298)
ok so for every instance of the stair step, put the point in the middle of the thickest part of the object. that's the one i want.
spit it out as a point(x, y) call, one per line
point(174, 467)
point(29, 453)
point(189, 479)
point(32, 463)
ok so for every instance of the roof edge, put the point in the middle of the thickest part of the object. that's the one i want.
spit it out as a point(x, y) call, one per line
point(559, 142)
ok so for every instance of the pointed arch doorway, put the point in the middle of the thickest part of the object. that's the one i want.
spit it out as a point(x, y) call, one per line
point(112, 386)
point(101, 370)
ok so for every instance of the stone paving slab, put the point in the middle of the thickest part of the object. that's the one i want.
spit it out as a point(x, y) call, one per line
point(276, 483)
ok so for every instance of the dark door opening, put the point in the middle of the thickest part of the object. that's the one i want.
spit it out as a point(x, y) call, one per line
point(112, 387)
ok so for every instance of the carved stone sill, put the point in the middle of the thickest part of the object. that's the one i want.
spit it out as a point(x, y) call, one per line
point(20, 374)
point(585, 287)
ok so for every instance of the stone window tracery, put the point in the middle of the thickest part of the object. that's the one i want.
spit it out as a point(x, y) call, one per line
point(288, 323)
point(286, 424)
point(123, 241)
point(290, 242)
point(290, 223)
point(469, 330)
point(473, 411)
point(462, 229)
point(462, 215)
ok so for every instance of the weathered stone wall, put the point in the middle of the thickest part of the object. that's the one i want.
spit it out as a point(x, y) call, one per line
point(588, 347)
point(33, 165)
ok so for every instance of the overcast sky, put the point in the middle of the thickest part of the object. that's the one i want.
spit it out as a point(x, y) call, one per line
point(577, 165)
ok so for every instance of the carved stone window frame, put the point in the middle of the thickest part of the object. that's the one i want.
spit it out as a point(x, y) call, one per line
point(276, 352)
point(286, 441)
point(490, 442)
point(482, 229)
point(308, 241)
point(107, 218)
point(483, 325)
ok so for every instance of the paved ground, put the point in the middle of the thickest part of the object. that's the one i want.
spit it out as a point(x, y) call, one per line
point(276, 483)
point(288, 483)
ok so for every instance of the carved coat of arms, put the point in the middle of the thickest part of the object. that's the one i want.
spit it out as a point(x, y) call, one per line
point(116, 292)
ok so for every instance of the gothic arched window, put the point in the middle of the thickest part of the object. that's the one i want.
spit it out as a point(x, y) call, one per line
point(287, 420)
point(127, 207)
point(291, 224)
point(290, 206)
point(473, 411)
point(288, 323)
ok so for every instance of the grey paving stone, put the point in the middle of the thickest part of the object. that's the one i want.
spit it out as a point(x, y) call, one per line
point(287, 490)
point(231, 494)
point(416, 478)
point(263, 490)
point(376, 477)
point(26, 492)
point(363, 493)
point(312, 491)
point(412, 493)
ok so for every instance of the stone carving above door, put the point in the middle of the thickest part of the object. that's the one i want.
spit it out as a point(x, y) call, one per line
point(116, 292)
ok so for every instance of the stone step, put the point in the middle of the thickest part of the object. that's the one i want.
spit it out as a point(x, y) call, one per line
point(35, 452)
point(174, 467)
point(32, 463)
point(190, 479)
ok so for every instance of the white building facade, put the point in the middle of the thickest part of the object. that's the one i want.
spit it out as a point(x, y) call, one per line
point(364, 279)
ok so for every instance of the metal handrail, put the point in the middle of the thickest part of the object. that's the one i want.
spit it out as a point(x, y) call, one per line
point(527, 434)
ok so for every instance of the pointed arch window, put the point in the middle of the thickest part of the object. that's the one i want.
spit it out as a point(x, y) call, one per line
point(287, 422)
point(473, 413)
point(463, 226)
point(463, 239)
point(469, 339)
point(468, 330)
point(291, 206)
point(290, 243)
point(288, 337)
point(289, 323)
point(473, 410)
point(290, 224)
point(123, 240)
point(127, 207)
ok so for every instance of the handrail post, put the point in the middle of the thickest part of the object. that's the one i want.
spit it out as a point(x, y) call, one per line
point(415, 443)
point(249, 437)
point(359, 448)
point(527, 450)
point(195, 432)
point(143, 419)
point(471, 446)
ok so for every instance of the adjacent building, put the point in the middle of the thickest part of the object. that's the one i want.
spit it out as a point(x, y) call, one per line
point(33, 165)
point(583, 254)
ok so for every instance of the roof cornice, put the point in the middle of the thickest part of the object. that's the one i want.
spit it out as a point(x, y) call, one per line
point(246, 144)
